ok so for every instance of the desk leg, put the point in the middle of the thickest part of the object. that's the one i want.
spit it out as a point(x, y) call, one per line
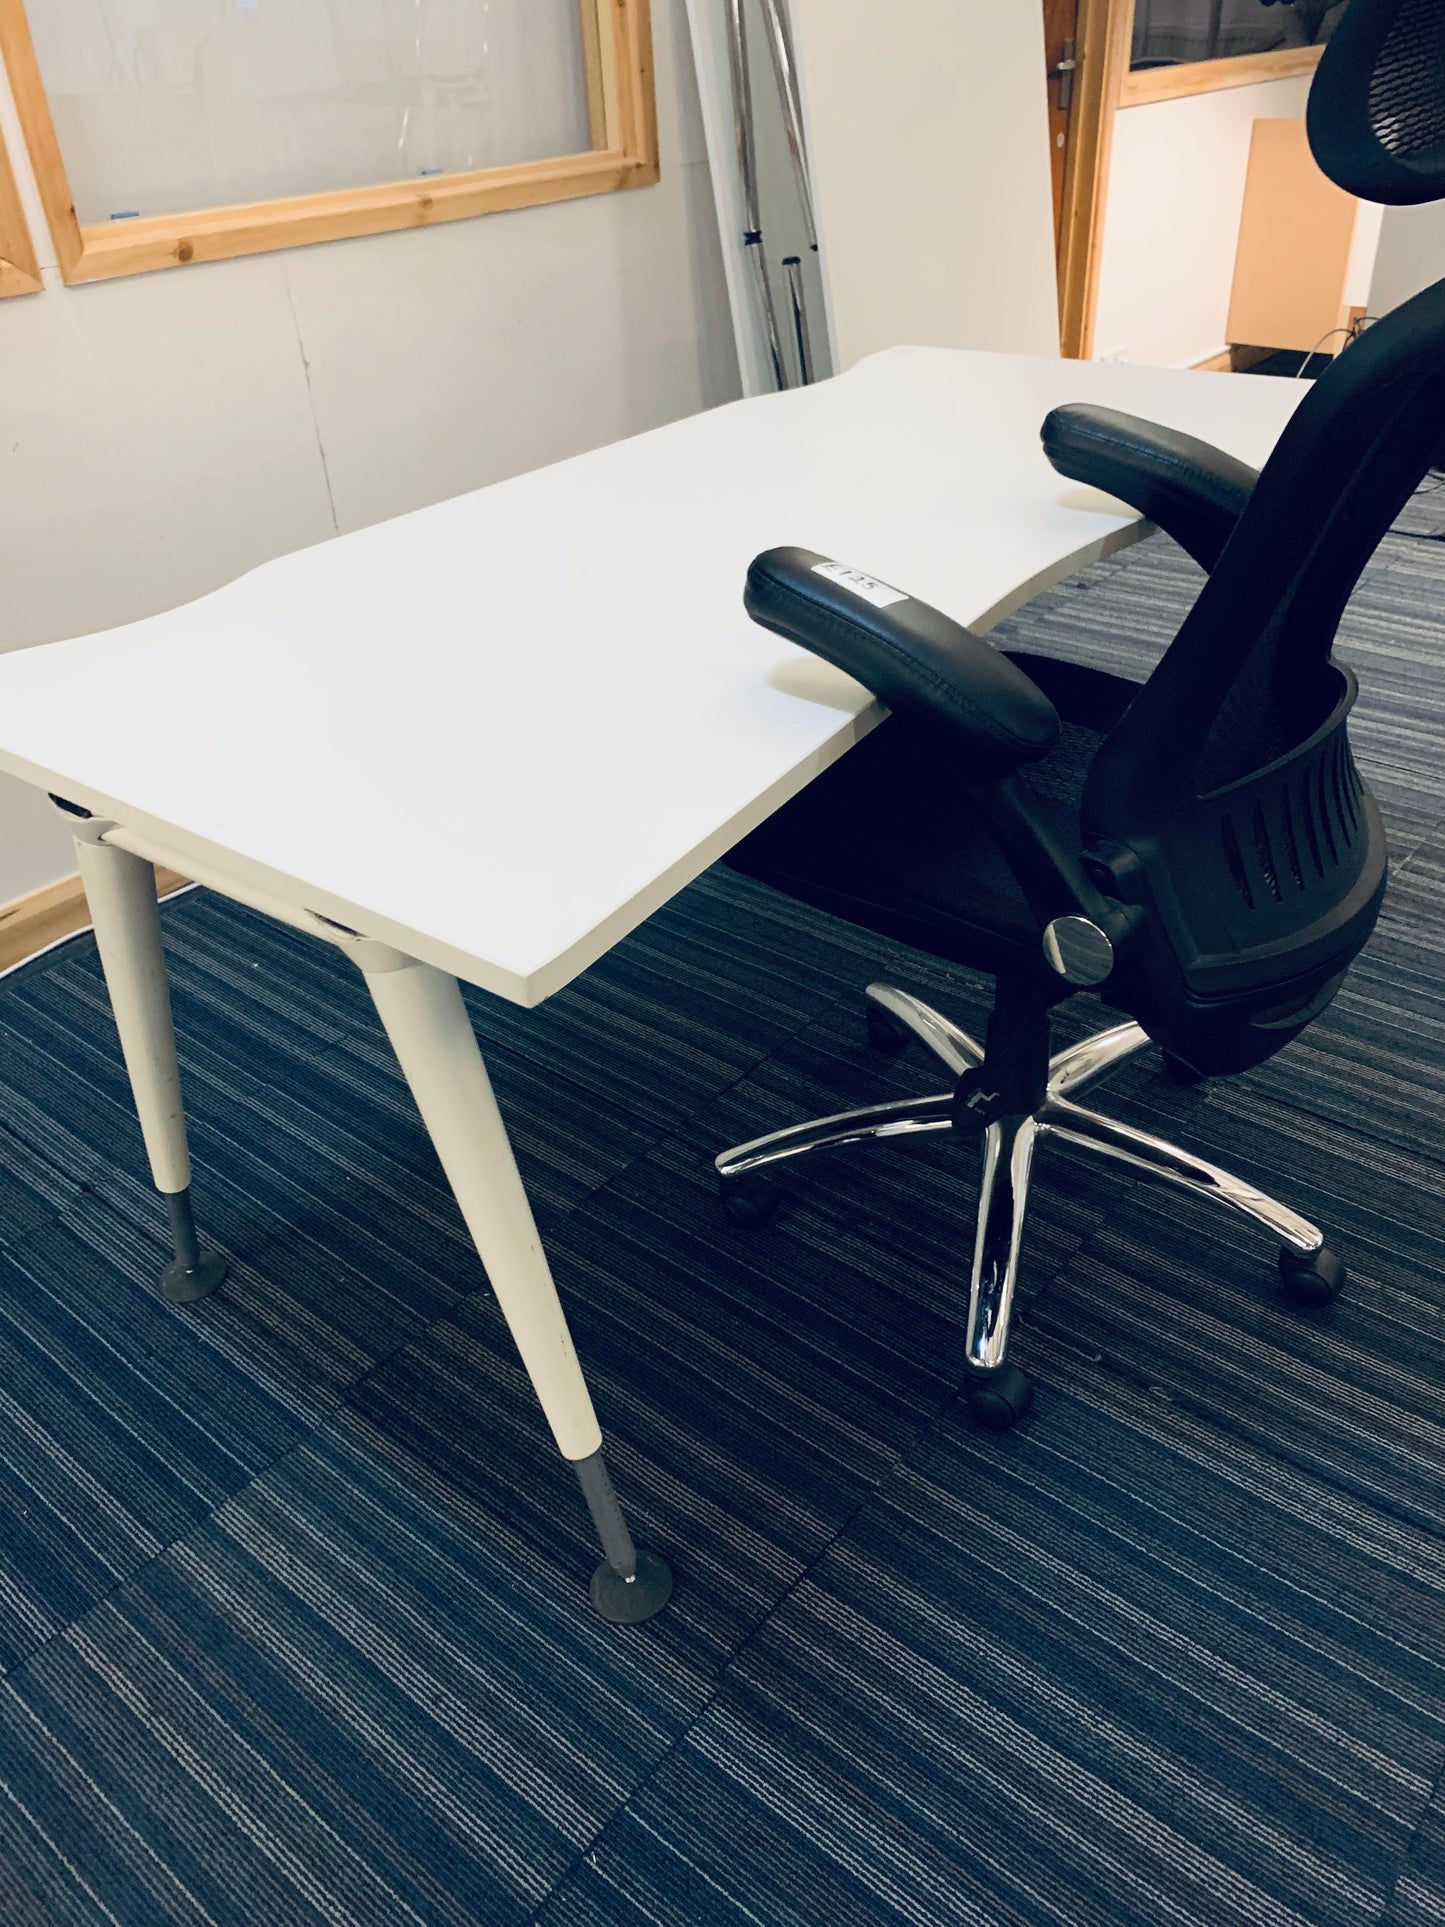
point(121, 891)
point(436, 1047)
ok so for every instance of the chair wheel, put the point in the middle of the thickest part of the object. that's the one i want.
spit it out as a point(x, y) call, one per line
point(1312, 1282)
point(885, 1033)
point(749, 1201)
point(1176, 1069)
point(999, 1399)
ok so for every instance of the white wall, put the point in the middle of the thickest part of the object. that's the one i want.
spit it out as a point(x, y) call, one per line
point(1176, 193)
point(1411, 254)
point(928, 129)
point(160, 435)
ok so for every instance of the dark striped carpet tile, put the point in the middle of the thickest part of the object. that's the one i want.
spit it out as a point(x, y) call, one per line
point(751, 1391)
point(124, 1423)
point(1419, 1896)
point(353, 1695)
point(33, 1190)
point(1423, 516)
point(1181, 1298)
point(1374, 1063)
point(334, 1109)
point(1103, 1671)
point(684, 1005)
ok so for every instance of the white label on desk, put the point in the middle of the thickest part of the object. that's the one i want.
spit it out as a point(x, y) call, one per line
point(856, 583)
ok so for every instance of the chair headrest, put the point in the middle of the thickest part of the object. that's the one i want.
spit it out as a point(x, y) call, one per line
point(1376, 114)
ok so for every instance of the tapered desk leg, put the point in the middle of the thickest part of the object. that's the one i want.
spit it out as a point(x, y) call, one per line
point(121, 891)
point(423, 1014)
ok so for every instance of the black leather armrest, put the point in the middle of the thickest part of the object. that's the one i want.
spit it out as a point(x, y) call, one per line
point(1194, 491)
point(911, 656)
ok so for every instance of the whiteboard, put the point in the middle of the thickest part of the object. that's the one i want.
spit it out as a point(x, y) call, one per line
point(166, 106)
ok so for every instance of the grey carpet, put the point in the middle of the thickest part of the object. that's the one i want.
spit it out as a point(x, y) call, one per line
point(292, 1610)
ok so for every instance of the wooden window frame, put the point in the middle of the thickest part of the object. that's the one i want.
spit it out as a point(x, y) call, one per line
point(1210, 76)
point(19, 269)
point(622, 113)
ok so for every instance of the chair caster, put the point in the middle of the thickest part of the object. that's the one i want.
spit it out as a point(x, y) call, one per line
point(749, 1201)
point(1000, 1398)
point(1179, 1072)
point(1312, 1282)
point(885, 1033)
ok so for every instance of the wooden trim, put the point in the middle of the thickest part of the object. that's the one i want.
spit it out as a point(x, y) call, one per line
point(100, 250)
point(1220, 364)
point(1103, 34)
point(19, 269)
point(18, 51)
point(593, 65)
point(1208, 76)
point(56, 910)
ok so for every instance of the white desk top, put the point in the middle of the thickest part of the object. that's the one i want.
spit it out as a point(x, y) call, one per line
point(498, 733)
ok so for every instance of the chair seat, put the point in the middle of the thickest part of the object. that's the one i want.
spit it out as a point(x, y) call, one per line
point(890, 838)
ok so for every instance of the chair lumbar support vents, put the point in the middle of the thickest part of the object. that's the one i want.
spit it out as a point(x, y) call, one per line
point(1199, 850)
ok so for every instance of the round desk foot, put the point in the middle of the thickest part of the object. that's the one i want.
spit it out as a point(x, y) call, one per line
point(627, 1602)
point(183, 1284)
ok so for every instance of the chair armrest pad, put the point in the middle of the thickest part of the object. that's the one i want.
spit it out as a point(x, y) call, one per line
point(1194, 491)
point(911, 656)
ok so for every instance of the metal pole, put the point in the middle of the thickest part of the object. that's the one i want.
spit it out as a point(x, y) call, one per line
point(785, 72)
point(793, 268)
point(744, 126)
point(785, 69)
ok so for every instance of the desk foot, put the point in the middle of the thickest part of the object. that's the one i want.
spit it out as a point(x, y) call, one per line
point(195, 1273)
point(628, 1602)
point(629, 1586)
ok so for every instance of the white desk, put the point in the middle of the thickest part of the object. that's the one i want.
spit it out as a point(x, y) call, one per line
point(486, 740)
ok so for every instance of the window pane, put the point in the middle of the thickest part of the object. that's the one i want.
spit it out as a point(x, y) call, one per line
point(1167, 32)
point(162, 106)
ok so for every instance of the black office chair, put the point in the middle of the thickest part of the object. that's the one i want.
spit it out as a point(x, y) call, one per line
point(1198, 850)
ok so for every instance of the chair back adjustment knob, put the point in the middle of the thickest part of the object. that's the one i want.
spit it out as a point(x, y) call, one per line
point(1079, 951)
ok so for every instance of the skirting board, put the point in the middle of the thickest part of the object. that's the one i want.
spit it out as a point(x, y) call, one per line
point(56, 910)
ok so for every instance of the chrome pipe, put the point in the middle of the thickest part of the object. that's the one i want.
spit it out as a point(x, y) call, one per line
point(950, 1045)
point(1008, 1154)
point(1151, 1157)
point(767, 307)
point(900, 1119)
point(743, 124)
point(1081, 1065)
point(797, 296)
point(785, 72)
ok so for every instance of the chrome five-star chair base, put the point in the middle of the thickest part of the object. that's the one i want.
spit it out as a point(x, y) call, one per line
point(999, 1394)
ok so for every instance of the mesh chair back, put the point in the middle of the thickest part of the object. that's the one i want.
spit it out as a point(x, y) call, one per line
point(1376, 113)
point(1227, 800)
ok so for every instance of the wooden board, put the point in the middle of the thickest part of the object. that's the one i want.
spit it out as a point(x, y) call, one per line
point(31, 923)
point(1295, 238)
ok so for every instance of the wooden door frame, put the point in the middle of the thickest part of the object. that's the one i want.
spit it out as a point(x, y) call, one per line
point(1102, 37)
point(1102, 85)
